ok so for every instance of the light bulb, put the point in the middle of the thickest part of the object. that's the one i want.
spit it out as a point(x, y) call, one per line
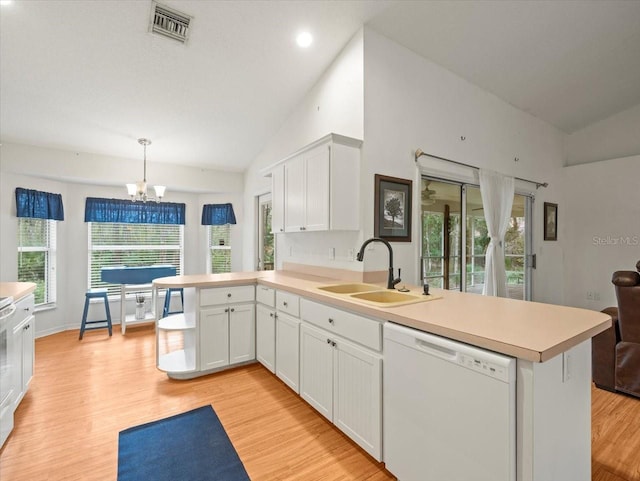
point(304, 39)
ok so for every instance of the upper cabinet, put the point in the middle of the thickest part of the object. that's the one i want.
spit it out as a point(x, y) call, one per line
point(317, 188)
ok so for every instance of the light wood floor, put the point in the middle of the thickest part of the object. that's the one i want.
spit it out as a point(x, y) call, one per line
point(84, 393)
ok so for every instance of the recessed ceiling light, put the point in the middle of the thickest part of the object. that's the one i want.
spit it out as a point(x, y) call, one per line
point(304, 39)
point(6, 2)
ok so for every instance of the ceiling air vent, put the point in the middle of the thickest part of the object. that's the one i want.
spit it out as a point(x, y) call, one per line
point(169, 22)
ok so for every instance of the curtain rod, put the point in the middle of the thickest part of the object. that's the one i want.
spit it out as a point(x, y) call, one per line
point(419, 153)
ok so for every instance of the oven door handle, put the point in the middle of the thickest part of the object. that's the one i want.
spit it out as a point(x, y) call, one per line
point(11, 309)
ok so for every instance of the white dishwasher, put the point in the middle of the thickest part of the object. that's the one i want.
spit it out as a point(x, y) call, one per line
point(449, 409)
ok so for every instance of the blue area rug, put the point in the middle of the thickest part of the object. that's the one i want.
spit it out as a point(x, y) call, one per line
point(191, 446)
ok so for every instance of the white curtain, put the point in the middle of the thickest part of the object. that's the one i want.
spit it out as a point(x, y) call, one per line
point(497, 199)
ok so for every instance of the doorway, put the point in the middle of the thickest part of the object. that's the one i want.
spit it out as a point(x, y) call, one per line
point(453, 252)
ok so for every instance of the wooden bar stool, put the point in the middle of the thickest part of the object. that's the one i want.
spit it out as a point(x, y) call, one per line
point(96, 294)
point(167, 301)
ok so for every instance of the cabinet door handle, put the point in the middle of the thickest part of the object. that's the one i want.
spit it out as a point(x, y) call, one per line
point(281, 229)
point(229, 295)
point(271, 314)
point(233, 310)
point(333, 343)
point(284, 303)
point(330, 321)
point(226, 310)
point(328, 341)
point(27, 309)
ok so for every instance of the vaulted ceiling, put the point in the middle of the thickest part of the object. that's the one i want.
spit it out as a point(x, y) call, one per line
point(88, 76)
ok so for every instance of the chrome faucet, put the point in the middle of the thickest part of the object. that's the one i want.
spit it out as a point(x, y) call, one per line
point(391, 282)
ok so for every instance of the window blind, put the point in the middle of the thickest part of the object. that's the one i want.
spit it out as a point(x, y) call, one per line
point(220, 248)
point(116, 244)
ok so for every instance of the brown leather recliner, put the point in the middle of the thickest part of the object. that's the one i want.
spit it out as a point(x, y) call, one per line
point(616, 351)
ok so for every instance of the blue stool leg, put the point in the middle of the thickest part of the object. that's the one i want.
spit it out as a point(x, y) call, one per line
point(84, 317)
point(167, 303)
point(106, 308)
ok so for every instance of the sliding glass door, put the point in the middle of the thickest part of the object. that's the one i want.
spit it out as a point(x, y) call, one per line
point(453, 253)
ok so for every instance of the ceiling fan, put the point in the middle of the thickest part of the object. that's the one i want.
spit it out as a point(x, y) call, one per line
point(428, 195)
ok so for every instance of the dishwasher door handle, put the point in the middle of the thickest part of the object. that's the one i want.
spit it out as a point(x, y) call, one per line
point(436, 350)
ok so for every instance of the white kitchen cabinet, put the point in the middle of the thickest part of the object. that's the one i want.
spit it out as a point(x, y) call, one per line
point(288, 350)
point(277, 199)
point(295, 195)
point(316, 370)
point(227, 295)
point(214, 338)
point(319, 186)
point(217, 330)
point(307, 191)
point(24, 339)
point(344, 383)
point(266, 337)
point(242, 334)
point(227, 336)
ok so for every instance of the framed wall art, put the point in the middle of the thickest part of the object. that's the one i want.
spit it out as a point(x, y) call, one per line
point(392, 211)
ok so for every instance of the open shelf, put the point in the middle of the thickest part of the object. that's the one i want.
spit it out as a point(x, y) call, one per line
point(177, 322)
point(148, 317)
point(177, 361)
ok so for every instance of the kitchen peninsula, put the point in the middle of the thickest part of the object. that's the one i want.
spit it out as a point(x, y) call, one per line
point(295, 317)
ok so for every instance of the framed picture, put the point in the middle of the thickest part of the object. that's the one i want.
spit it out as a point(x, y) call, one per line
point(550, 221)
point(392, 214)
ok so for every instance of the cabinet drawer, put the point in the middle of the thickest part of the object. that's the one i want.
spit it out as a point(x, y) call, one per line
point(227, 295)
point(287, 302)
point(266, 295)
point(24, 308)
point(362, 330)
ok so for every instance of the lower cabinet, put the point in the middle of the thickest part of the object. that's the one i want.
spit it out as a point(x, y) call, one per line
point(227, 336)
point(287, 350)
point(266, 337)
point(344, 383)
point(24, 346)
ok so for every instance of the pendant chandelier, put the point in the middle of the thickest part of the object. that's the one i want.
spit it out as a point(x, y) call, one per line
point(138, 191)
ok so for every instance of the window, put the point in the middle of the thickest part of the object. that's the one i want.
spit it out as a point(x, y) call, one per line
point(120, 244)
point(266, 245)
point(37, 257)
point(219, 248)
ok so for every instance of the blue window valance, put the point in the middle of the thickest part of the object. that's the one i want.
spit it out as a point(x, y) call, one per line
point(218, 214)
point(41, 205)
point(127, 212)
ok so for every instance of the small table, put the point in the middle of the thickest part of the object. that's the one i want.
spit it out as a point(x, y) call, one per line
point(135, 279)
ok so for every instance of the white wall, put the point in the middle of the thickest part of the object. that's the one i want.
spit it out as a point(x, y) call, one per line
point(23, 166)
point(334, 104)
point(612, 138)
point(411, 103)
point(602, 218)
